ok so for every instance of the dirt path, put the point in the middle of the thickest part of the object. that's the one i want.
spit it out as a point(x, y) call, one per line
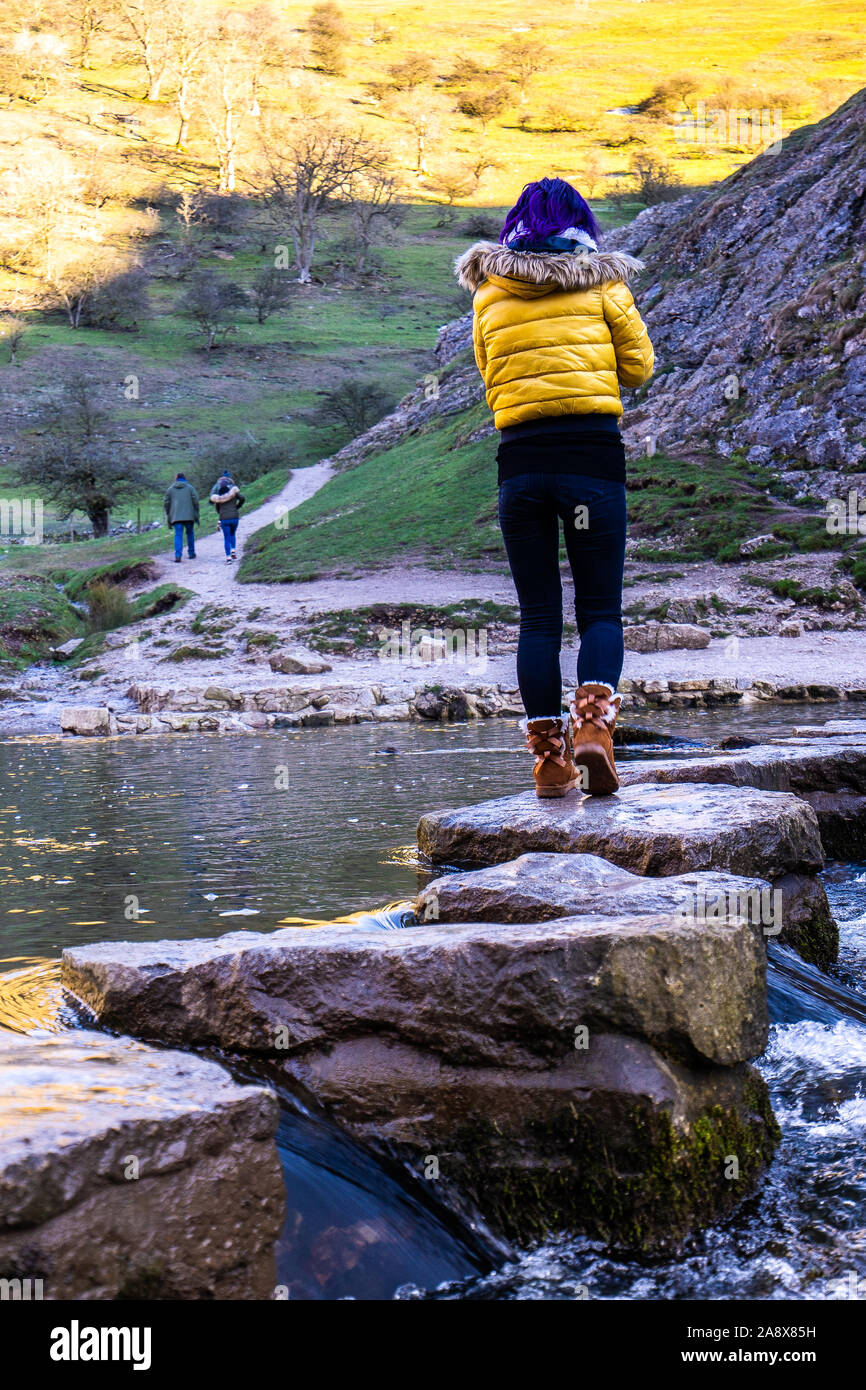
point(216, 582)
point(208, 574)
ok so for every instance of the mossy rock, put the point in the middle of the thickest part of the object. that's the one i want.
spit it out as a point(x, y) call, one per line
point(617, 1167)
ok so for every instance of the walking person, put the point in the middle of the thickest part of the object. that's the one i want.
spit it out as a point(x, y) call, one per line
point(226, 497)
point(182, 510)
point(556, 333)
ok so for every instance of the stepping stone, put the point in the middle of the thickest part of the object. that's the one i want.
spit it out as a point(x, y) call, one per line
point(833, 728)
point(821, 765)
point(539, 887)
point(127, 1171)
point(656, 830)
point(502, 994)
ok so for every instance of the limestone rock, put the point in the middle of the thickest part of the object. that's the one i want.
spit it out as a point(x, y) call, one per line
point(445, 703)
point(649, 829)
point(833, 728)
point(808, 925)
point(299, 662)
point(129, 1171)
point(664, 637)
point(821, 765)
point(87, 721)
point(614, 1140)
point(67, 648)
point(783, 323)
point(541, 887)
point(842, 819)
point(503, 994)
point(756, 543)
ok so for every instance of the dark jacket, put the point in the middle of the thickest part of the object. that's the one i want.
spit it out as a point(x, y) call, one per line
point(226, 501)
point(181, 502)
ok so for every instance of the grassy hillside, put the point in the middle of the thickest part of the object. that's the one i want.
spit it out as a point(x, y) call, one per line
point(432, 498)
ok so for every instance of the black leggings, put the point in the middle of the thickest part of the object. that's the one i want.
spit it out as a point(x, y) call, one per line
point(593, 512)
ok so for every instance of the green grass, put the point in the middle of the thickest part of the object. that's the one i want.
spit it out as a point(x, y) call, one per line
point(432, 498)
point(811, 595)
point(34, 616)
point(428, 496)
point(362, 628)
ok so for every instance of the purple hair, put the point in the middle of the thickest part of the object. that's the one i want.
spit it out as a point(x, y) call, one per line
point(546, 208)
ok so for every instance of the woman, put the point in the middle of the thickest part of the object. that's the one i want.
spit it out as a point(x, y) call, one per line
point(227, 499)
point(556, 333)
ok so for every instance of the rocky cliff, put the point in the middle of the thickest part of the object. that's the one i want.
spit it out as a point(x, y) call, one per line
point(755, 296)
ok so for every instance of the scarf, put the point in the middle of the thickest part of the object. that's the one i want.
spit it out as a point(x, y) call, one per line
point(569, 239)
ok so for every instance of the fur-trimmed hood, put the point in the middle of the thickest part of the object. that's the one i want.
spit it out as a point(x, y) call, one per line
point(530, 273)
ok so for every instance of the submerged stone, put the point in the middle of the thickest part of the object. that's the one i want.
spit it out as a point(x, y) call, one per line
point(614, 1140)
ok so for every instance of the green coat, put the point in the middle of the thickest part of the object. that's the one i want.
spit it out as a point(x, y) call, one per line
point(181, 502)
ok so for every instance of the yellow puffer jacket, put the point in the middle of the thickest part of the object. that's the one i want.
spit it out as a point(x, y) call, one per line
point(555, 333)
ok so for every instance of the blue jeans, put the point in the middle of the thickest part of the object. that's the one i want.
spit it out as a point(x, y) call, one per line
point(593, 513)
point(179, 528)
point(229, 530)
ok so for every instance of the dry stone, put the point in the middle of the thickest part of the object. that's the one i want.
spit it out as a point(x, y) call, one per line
point(648, 829)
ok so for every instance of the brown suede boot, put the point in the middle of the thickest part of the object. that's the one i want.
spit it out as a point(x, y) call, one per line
point(554, 771)
point(593, 716)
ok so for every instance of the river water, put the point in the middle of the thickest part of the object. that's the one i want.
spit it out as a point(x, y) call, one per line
point(183, 837)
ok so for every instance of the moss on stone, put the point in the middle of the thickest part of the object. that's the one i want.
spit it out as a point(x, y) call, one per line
point(630, 1177)
point(815, 940)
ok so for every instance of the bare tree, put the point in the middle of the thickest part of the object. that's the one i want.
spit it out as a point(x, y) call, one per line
point(269, 292)
point(229, 96)
point(211, 302)
point(483, 102)
point(455, 182)
point(317, 165)
point(74, 284)
point(75, 463)
point(423, 113)
point(329, 35)
point(188, 35)
point(190, 214)
point(87, 19)
point(593, 173)
point(355, 405)
point(12, 331)
point(373, 197)
point(46, 192)
point(147, 23)
point(521, 57)
point(412, 71)
point(32, 65)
